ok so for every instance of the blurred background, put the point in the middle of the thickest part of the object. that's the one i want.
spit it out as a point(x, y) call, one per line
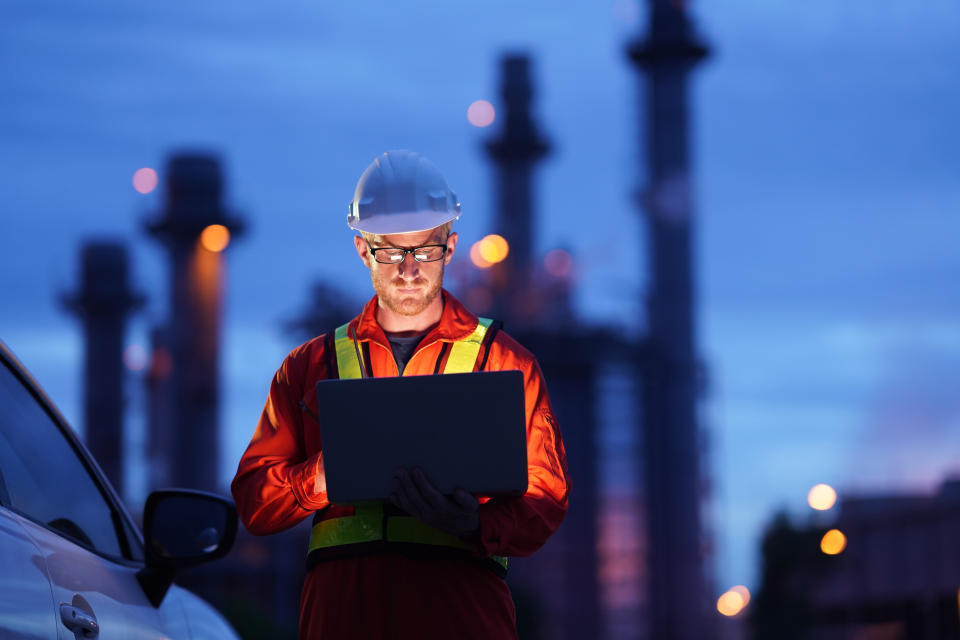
point(727, 229)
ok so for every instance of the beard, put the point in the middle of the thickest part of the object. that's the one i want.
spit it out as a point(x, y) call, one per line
point(403, 304)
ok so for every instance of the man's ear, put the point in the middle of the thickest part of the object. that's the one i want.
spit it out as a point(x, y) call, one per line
point(363, 250)
point(451, 247)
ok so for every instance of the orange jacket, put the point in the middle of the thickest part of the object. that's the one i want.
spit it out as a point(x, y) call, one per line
point(280, 479)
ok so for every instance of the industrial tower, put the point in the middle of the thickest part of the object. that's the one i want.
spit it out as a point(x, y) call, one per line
point(103, 302)
point(671, 440)
point(514, 154)
point(193, 207)
point(562, 576)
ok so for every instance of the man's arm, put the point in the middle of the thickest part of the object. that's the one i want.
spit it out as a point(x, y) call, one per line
point(518, 526)
point(278, 481)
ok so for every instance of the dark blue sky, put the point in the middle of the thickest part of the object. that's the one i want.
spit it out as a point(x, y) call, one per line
point(827, 188)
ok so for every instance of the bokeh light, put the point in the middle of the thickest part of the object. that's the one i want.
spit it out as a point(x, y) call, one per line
point(215, 238)
point(481, 113)
point(558, 263)
point(731, 603)
point(477, 258)
point(145, 180)
point(135, 357)
point(821, 497)
point(494, 248)
point(744, 593)
point(833, 542)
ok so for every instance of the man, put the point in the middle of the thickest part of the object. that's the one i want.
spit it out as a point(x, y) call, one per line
point(443, 578)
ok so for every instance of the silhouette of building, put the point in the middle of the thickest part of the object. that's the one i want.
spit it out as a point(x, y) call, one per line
point(900, 571)
point(791, 564)
point(671, 442)
point(103, 303)
point(193, 226)
point(896, 578)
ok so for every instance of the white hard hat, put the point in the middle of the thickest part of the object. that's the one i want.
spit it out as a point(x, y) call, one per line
point(401, 192)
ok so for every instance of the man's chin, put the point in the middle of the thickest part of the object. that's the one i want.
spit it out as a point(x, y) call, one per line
point(407, 306)
point(411, 305)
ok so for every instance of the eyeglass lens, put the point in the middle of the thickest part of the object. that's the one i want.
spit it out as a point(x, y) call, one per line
point(429, 253)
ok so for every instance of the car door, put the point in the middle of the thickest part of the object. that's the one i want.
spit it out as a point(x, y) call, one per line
point(83, 539)
point(26, 601)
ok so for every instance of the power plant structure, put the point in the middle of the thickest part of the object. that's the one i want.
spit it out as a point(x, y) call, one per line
point(104, 302)
point(670, 454)
point(514, 154)
point(195, 228)
point(580, 362)
point(560, 577)
point(590, 370)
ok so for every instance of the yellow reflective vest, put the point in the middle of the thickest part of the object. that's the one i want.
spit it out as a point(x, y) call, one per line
point(349, 530)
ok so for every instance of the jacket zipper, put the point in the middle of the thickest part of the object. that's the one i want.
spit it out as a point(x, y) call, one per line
point(415, 353)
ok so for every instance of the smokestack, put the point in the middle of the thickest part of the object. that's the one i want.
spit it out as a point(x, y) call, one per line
point(670, 439)
point(515, 152)
point(103, 303)
point(195, 228)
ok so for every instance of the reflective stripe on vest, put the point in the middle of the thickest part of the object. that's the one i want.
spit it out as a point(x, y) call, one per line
point(369, 523)
point(463, 353)
point(348, 358)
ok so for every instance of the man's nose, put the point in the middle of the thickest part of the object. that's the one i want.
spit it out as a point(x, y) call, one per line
point(409, 266)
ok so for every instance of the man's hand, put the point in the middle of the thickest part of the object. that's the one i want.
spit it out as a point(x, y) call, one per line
point(413, 493)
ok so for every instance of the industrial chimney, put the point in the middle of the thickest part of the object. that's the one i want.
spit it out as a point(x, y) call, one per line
point(103, 303)
point(671, 438)
point(195, 228)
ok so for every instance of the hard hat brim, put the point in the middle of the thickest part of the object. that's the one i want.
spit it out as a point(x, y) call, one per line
point(412, 222)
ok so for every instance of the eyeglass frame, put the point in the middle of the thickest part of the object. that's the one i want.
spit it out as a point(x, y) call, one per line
point(373, 252)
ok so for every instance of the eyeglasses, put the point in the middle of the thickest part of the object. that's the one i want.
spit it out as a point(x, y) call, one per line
point(396, 255)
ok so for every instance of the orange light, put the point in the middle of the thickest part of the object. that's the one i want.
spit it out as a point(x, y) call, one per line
point(145, 180)
point(477, 258)
point(822, 497)
point(481, 113)
point(833, 542)
point(215, 238)
point(744, 593)
point(494, 248)
point(730, 603)
point(558, 263)
point(135, 357)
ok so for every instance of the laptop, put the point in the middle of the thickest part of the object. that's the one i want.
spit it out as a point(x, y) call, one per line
point(465, 430)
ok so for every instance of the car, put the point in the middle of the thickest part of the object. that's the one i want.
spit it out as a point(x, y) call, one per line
point(73, 563)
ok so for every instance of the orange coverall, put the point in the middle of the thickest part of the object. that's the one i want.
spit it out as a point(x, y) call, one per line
point(280, 482)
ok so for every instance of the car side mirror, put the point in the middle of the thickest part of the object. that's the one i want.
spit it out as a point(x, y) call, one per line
point(183, 528)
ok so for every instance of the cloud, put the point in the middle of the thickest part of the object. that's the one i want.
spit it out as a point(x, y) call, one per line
point(910, 437)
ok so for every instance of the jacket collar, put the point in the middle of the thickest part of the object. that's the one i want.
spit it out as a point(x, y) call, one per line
point(456, 322)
